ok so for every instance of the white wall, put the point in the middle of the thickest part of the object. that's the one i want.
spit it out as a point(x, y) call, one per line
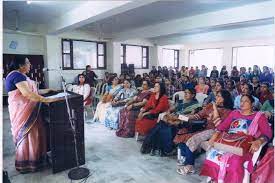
point(26, 44)
point(54, 58)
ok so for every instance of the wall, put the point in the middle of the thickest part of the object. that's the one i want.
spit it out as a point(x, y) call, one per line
point(26, 44)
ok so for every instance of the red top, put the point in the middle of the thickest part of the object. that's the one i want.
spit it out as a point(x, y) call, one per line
point(157, 106)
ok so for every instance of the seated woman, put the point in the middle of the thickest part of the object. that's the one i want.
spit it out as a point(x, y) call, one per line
point(212, 96)
point(158, 103)
point(160, 139)
point(228, 167)
point(247, 90)
point(188, 143)
point(201, 87)
point(112, 90)
point(112, 111)
point(129, 114)
point(84, 89)
point(231, 87)
point(265, 93)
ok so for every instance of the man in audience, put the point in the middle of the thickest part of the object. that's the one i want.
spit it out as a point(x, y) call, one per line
point(203, 71)
point(266, 76)
point(170, 89)
point(214, 73)
point(154, 71)
point(90, 75)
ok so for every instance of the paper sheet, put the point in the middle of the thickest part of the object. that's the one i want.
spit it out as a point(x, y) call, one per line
point(59, 95)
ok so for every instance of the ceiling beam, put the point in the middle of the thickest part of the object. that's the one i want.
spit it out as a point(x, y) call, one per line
point(256, 11)
point(90, 12)
point(217, 36)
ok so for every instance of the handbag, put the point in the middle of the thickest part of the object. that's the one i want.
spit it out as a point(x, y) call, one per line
point(151, 116)
point(119, 104)
point(196, 125)
point(236, 143)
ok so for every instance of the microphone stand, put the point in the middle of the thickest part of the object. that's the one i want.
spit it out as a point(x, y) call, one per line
point(76, 173)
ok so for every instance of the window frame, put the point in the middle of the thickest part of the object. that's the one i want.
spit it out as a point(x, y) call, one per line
point(71, 54)
point(142, 57)
point(176, 60)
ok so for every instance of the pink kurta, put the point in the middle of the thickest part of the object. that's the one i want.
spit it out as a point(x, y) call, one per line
point(234, 171)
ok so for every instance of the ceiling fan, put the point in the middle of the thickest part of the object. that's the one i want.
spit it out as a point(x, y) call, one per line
point(17, 30)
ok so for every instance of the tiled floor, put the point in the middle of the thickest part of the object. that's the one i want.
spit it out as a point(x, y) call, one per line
point(110, 158)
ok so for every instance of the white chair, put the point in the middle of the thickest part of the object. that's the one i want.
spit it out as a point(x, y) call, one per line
point(255, 157)
point(69, 87)
point(200, 97)
point(180, 94)
point(91, 106)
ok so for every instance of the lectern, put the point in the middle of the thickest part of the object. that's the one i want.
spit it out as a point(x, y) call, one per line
point(60, 137)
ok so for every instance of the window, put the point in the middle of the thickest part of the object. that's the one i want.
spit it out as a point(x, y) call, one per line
point(208, 57)
point(76, 54)
point(137, 55)
point(170, 57)
point(253, 55)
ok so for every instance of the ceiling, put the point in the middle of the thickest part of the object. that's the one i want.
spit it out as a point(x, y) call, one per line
point(239, 25)
point(161, 11)
point(135, 14)
point(38, 12)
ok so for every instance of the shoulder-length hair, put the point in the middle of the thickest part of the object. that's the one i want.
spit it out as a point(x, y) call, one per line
point(227, 99)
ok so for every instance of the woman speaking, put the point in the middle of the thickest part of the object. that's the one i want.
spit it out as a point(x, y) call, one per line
point(26, 124)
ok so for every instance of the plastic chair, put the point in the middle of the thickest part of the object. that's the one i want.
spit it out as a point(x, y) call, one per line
point(180, 95)
point(90, 106)
point(200, 97)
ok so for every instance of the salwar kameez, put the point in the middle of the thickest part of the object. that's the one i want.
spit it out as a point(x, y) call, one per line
point(112, 112)
point(220, 165)
point(155, 107)
point(127, 118)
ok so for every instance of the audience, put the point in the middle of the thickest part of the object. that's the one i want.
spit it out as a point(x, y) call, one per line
point(189, 142)
point(160, 139)
point(153, 115)
point(129, 114)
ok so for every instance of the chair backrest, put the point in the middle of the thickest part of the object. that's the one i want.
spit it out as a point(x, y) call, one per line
point(104, 88)
point(180, 96)
point(200, 97)
point(257, 154)
point(93, 92)
point(98, 88)
point(69, 87)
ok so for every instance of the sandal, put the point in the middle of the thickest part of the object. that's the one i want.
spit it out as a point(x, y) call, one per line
point(185, 170)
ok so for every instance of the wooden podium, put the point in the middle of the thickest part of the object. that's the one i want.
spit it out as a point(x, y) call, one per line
point(60, 141)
